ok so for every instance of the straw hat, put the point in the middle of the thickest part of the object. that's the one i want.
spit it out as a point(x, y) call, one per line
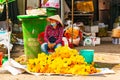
point(55, 17)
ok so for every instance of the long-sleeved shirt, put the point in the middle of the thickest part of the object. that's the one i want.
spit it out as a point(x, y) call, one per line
point(51, 32)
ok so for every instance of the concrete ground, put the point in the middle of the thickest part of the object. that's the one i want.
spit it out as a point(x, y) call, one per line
point(106, 46)
point(106, 55)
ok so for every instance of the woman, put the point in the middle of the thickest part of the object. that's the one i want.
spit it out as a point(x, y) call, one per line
point(53, 34)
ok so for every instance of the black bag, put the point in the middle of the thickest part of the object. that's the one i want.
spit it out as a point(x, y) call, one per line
point(52, 39)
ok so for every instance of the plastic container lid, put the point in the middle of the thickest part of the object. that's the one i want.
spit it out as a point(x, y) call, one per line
point(30, 16)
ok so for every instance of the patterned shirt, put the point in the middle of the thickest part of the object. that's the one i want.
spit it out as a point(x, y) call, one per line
point(51, 32)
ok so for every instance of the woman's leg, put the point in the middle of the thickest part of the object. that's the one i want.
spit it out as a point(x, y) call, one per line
point(44, 48)
point(57, 45)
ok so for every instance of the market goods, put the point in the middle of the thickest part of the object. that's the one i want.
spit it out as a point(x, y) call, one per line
point(44, 2)
point(84, 6)
point(69, 33)
point(21, 59)
point(116, 33)
point(73, 34)
point(3, 48)
point(102, 32)
point(63, 61)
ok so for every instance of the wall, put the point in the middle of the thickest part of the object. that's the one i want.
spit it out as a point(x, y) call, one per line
point(30, 3)
point(104, 11)
point(21, 6)
point(33, 3)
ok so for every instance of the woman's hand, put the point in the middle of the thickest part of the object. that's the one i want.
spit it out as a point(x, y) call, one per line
point(51, 45)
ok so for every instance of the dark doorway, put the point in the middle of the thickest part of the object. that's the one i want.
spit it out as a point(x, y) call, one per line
point(114, 12)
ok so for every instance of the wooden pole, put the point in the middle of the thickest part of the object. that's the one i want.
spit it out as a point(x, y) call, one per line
point(62, 10)
point(72, 19)
point(7, 17)
point(8, 29)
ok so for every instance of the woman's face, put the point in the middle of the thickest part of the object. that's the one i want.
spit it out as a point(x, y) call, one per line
point(53, 23)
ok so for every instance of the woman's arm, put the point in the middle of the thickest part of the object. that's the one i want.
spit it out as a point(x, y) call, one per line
point(46, 35)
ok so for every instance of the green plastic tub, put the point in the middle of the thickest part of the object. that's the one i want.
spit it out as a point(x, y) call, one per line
point(32, 26)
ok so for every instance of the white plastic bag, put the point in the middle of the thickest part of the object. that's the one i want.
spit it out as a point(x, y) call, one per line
point(13, 67)
point(1, 8)
point(50, 3)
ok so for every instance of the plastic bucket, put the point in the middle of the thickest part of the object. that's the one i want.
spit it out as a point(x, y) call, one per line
point(88, 54)
point(32, 26)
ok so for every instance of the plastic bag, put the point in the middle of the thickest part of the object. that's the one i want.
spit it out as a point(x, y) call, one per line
point(50, 3)
point(1, 8)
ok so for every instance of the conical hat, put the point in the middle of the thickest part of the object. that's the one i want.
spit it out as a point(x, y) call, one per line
point(55, 17)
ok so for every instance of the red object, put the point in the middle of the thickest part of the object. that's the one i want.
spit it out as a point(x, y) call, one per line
point(1, 56)
point(81, 35)
point(51, 50)
point(41, 37)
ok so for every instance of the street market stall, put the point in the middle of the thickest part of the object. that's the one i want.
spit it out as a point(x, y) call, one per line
point(64, 60)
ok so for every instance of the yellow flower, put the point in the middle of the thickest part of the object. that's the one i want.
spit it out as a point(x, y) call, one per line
point(63, 61)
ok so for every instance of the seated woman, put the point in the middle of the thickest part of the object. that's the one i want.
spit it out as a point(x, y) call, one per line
point(53, 34)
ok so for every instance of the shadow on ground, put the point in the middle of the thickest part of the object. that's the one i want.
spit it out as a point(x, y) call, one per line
point(105, 65)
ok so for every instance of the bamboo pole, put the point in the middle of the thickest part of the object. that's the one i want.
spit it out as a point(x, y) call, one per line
point(7, 16)
point(62, 10)
point(72, 19)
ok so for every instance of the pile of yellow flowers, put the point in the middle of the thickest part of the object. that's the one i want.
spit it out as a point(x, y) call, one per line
point(63, 61)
